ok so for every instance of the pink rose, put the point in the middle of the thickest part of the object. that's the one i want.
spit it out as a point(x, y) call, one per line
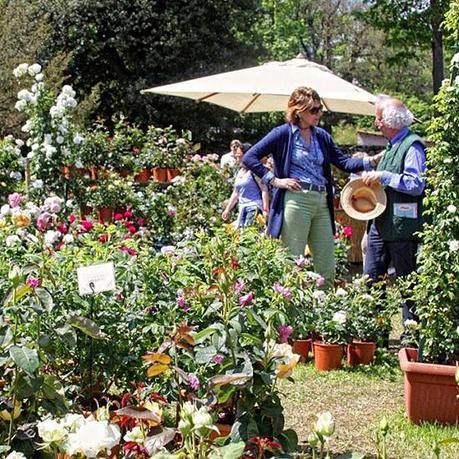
point(15, 200)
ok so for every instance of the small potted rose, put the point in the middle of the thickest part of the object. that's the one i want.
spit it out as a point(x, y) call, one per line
point(333, 327)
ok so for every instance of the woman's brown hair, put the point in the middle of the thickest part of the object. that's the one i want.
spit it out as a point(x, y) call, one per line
point(302, 98)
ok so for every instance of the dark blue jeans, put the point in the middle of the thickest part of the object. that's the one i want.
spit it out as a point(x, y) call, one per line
point(380, 254)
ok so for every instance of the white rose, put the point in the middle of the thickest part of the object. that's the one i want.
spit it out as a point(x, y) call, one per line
point(68, 239)
point(93, 438)
point(60, 139)
point(39, 77)
point(27, 126)
point(68, 91)
point(51, 431)
point(453, 245)
point(5, 210)
point(325, 424)
point(451, 208)
point(30, 155)
point(20, 105)
point(341, 292)
point(20, 70)
point(340, 317)
point(34, 69)
point(202, 419)
point(25, 95)
point(51, 236)
point(77, 139)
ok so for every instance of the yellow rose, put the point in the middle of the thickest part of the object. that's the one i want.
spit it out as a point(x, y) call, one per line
point(21, 219)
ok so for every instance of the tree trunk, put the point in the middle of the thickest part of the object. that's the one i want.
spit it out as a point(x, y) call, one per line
point(437, 45)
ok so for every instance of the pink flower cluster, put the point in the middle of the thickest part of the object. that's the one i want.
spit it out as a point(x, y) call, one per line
point(284, 291)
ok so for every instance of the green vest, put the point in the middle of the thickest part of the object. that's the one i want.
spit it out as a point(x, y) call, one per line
point(402, 217)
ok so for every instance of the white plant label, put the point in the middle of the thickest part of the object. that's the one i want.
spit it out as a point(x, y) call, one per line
point(96, 278)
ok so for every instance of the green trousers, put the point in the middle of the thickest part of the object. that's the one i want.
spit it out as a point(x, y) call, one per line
point(307, 222)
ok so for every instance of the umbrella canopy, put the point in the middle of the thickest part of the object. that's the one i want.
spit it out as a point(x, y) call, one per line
point(266, 88)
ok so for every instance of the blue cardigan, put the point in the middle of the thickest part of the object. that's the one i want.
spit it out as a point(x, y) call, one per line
point(279, 143)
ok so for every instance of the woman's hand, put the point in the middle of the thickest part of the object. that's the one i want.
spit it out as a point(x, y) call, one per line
point(374, 160)
point(289, 184)
point(225, 214)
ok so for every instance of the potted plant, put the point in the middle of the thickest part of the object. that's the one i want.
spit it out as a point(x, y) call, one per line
point(110, 193)
point(302, 330)
point(332, 325)
point(369, 320)
point(125, 146)
point(93, 152)
point(430, 386)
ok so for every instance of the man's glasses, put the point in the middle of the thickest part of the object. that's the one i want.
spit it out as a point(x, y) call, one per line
point(315, 110)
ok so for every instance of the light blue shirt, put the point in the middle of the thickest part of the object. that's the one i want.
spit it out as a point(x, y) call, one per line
point(307, 159)
point(412, 179)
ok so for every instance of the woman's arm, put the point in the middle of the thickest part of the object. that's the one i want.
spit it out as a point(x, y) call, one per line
point(230, 205)
point(264, 196)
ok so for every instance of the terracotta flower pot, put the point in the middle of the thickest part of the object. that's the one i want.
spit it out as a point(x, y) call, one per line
point(85, 211)
point(327, 356)
point(224, 429)
point(143, 176)
point(160, 174)
point(361, 352)
point(430, 390)
point(302, 347)
point(172, 173)
point(105, 214)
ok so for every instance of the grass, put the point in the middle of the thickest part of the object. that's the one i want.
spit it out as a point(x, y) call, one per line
point(359, 398)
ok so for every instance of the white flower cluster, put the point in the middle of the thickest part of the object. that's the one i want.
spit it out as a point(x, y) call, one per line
point(66, 99)
point(453, 245)
point(26, 97)
point(79, 436)
point(340, 317)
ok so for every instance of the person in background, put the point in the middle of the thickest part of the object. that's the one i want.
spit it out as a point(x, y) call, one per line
point(392, 236)
point(249, 192)
point(302, 206)
point(229, 159)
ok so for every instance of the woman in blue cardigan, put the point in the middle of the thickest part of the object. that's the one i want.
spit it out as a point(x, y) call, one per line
point(302, 204)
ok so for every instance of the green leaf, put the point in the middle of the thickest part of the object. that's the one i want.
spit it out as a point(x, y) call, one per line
point(231, 451)
point(205, 355)
point(25, 358)
point(28, 386)
point(87, 326)
point(45, 298)
point(52, 389)
point(21, 291)
point(6, 337)
point(203, 334)
point(289, 440)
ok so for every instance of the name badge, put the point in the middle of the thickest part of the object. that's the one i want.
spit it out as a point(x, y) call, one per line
point(406, 210)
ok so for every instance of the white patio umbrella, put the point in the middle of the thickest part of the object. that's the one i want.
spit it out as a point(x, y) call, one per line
point(267, 87)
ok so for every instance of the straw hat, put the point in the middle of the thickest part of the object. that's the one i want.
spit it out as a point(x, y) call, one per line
point(363, 202)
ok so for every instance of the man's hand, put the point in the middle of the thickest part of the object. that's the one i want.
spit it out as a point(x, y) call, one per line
point(371, 177)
